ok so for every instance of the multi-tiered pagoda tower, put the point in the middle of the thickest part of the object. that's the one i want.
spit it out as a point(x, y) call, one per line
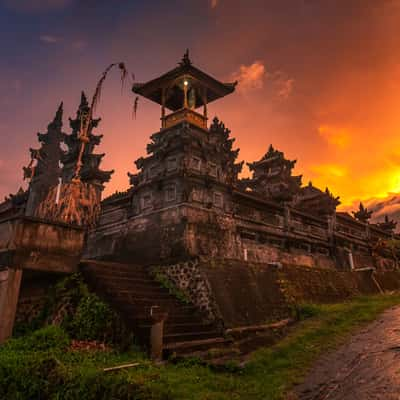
point(90, 172)
point(272, 177)
point(186, 162)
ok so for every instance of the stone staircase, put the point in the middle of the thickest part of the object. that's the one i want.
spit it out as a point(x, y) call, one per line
point(132, 292)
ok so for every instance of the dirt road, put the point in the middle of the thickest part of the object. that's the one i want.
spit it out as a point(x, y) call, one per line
point(365, 368)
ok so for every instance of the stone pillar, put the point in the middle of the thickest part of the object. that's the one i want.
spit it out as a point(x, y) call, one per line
point(10, 283)
point(331, 224)
point(351, 261)
point(157, 332)
point(245, 254)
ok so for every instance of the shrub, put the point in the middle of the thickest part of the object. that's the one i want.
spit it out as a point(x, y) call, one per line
point(93, 319)
point(48, 338)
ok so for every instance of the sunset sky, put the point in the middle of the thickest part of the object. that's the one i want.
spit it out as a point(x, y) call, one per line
point(319, 79)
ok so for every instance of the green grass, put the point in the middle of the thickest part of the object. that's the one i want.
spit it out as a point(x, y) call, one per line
point(38, 367)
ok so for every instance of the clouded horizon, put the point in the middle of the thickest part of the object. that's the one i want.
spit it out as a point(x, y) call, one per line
point(320, 80)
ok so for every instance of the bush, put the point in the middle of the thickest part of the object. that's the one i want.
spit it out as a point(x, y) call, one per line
point(45, 339)
point(82, 315)
point(93, 319)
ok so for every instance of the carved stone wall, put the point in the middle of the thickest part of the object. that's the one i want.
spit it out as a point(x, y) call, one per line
point(189, 230)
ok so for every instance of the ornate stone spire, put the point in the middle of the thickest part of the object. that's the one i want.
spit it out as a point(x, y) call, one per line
point(90, 172)
point(388, 225)
point(315, 201)
point(44, 168)
point(272, 176)
point(185, 59)
point(57, 121)
point(363, 214)
point(223, 142)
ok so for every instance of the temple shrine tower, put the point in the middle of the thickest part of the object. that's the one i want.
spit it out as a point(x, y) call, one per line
point(183, 90)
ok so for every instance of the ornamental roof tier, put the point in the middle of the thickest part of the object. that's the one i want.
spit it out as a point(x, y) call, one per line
point(169, 89)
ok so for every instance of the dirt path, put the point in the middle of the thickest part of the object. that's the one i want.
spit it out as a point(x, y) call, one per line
point(365, 368)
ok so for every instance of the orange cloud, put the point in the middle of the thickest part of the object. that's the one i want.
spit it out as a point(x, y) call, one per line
point(339, 137)
point(331, 170)
point(213, 3)
point(250, 77)
point(285, 88)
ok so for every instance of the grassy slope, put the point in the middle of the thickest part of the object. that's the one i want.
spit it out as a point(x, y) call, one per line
point(268, 375)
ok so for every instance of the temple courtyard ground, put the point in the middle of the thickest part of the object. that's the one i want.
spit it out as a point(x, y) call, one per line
point(334, 352)
point(366, 367)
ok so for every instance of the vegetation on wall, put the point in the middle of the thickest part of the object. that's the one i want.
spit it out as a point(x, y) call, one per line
point(166, 283)
point(80, 313)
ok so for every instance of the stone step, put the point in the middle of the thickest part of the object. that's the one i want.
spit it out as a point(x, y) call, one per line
point(179, 328)
point(185, 347)
point(106, 274)
point(190, 336)
point(109, 276)
point(133, 292)
point(172, 319)
point(142, 312)
point(140, 294)
point(138, 286)
point(131, 298)
point(111, 266)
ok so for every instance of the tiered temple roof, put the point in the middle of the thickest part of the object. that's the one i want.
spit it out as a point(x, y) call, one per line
point(272, 176)
point(90, 172)
point(388, 225)
point(172, 82)
point(182, 90)
point(223, 145)
point(315, 201)
point(44, 170)
point(362, 214)
point(48, 156)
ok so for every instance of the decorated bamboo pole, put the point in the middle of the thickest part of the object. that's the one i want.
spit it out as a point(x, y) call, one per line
point(86, 119)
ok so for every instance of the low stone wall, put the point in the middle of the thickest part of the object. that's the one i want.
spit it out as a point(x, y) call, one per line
point(252, 294)
point(324, 286)
point(388, 280)
point(246, 293)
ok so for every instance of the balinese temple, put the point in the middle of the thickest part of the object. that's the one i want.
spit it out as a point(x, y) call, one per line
point(231, 245)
